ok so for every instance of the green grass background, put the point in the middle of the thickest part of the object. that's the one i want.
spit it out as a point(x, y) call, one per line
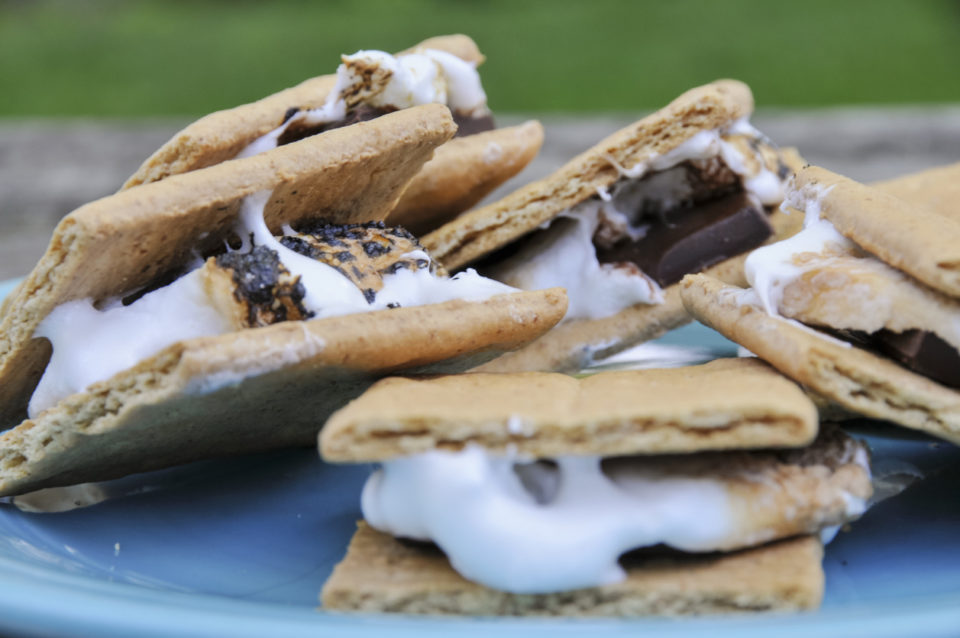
point(151, 57)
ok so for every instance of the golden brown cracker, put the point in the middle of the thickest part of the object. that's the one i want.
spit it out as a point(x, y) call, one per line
point(937, 189)
point(724, 404)
point(382, 574)
point(790, 155)
point(462, 172)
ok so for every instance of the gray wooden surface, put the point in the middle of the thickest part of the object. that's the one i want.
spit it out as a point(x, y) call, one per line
point(49, 167)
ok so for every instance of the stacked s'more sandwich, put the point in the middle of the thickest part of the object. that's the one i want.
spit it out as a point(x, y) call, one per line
point(229, 308)
point(863, 306)
point(366, 85)
point(692, 187)
point(679, 491)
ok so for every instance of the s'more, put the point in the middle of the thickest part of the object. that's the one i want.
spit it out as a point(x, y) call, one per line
point(366, 85)
point(220, 311)
point(862, 306)
point(692, 187)
point(542, 494)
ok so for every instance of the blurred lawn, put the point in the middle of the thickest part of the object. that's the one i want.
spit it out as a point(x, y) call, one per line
point(86, 57)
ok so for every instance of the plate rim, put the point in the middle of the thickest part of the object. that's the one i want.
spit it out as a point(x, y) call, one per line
point(80, 604)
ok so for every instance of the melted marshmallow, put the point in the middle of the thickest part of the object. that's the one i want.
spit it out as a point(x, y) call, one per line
point(410, 79)
point(563, 535)
point(420, 287)
point(564, 254)
point(523, 528)
point(770, 269)
point(426, 77)
point(91, 344)
point(464, 92)
point(413, 79)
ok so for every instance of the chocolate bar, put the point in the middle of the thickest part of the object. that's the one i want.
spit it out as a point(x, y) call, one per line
point(695, 239)
point(923, 352)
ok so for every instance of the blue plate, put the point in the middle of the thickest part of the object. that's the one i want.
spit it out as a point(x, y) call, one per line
point(241, 547)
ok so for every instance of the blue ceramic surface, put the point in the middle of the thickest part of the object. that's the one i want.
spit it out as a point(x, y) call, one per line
point(241, 547)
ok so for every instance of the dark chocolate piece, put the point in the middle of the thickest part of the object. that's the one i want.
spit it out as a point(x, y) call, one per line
point(693, 239)
point(922, 352)
point(300, 130)
point(470, 125)
point(466, 124)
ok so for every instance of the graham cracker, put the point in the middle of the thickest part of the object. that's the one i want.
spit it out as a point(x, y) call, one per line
point(826, 299)
point(937, 189)
point(724, 404)
point(578, 342)
point(790, 155)
point(855, 378)
point(382, 574)
point(462, 172)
